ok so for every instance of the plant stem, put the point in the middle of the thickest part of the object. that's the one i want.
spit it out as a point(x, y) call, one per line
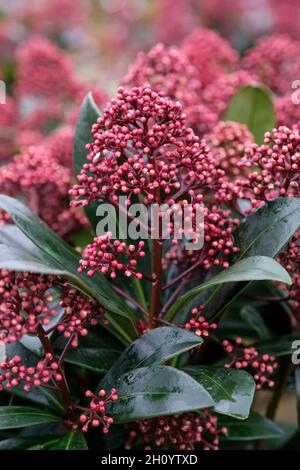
point(62, 386)
point(279, 389)
point(172, 297)
point(181, 275)
point(156, 286)
point(130, 299)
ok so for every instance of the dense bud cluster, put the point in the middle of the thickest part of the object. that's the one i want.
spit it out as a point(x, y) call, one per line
point(79, 312)
point(95, 415)
point(261, 366)
point(275, 62)
point(105, 256)
point(228, 141)
point(44, 183)
point(188, 431)
point(24, 303)
point(214, 56)
point(218, 243)
point(44, 70)
point(273, 169)
point(141, 145)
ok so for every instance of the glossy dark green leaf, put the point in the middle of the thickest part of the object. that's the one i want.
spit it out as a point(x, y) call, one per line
point(281, 346)
point(156, 391)
point(249, 269)
point(253, 318)
point(88, 115)
point(253, 428)
point(58, 254)
point(252, 105)
point(74, 440)
point(266, 231)
point(24, 443)
point(12, 417)
point(232, 390)
point(152, 348)
point(96, 359)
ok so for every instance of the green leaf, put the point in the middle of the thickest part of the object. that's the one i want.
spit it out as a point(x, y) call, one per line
point(266, 231)
point(61, 256)
point(253, 318)
point(88, 115)
point(24, 443)
point(98, 360)
point(12, 417)
point(252, 105)
point(281, 346)
point(232, 390)
point(253, 428)
point(151, 349)
point(74, 440)
point(156, 391)
point(249, 269)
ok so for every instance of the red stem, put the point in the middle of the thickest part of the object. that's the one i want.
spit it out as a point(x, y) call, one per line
point(62, 386)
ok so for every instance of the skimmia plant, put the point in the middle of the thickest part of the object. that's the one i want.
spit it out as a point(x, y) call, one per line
point(157, 337)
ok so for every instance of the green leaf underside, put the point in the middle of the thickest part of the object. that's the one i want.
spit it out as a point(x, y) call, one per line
point(12, 417)
point(255, 427)
point(252, 105)
point(60, 256)
point(232, 390)
point(253, 268)
point(150, 349)
point(156, 391)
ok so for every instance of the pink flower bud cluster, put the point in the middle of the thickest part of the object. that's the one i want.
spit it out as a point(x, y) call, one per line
point(141, 145)
point(95, 415)
point(79, 312)
point(14, 373)
point(210, 54)
point(274, 169)
point(183, 432)
point(228, 141)
point(24, 303)
point(217, 230)
point(107, 256)
point(44, 183)
point(275, 61)
point(60, 144)
point(198, 324)
point(262, 366)
point(287, 111)
point(168, 70)
point(44, 70)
